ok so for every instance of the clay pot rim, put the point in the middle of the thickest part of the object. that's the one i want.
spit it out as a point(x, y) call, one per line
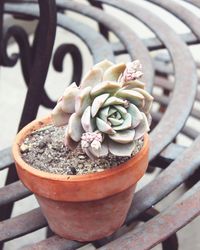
point(38, 123)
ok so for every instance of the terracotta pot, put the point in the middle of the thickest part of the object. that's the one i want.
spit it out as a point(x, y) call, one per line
point(86, 207)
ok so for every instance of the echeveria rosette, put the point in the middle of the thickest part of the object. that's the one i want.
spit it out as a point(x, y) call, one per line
point(108, 112)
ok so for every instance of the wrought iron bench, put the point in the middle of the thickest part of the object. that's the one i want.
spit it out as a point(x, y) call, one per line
point(172, 78)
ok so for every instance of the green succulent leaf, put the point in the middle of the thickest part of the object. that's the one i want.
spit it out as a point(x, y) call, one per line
point(114, 72)
point(133, 84)
point(75, 129)
point(142, 128)
point(121, 110)
point(118, 115)
point(113, 100)
point(98, 102)
point(115, 122)
point(121, 150)
point(105, 87)
point(148, 99)
point(111, 111)
point(83, 100)
point(132, 96)
point(103, 113)
point(92, 78)
point(123, 137)
point(135, 114)
point(103, 65)
point(87, 121)
point(126, 124)
point(104, 127)
point(59, 117)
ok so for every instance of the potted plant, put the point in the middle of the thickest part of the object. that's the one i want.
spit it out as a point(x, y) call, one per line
point(85, 184)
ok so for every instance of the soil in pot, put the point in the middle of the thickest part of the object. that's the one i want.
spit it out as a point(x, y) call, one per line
point(44, 150)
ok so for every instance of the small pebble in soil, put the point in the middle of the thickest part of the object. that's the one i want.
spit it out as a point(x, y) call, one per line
point(44, 150)
point(73, 170)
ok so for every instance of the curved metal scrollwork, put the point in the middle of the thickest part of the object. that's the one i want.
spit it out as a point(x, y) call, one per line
point(75, 53)
point(21, 38)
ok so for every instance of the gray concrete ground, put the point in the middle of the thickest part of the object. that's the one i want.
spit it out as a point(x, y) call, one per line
point(12, 94)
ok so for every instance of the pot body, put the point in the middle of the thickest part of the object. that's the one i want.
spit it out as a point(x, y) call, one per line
point(87, 207)
point(87, 221)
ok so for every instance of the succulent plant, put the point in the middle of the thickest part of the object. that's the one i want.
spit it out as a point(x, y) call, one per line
point(108, 112)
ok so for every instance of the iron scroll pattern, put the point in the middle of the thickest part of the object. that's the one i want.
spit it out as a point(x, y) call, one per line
point(35, 58)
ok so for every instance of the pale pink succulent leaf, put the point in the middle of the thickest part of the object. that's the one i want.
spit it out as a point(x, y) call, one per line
point(103, 113)
point(115, 122)
point(71, 144)
point(87, 121)
point(121, 150)
point(104, 127)
point(132, 71)
point(105, 87)
point(100, 152)
point(135, 114)
point(132, 96)
point(83, 100)
point(148, 99)
point(59, 117)
point(92, 78)
point(113, 73)
point(125, 125)
point(113, 100)
point(104, 149)
point(123, 137)
point(94, 152)
point(98, 102)
point(68, 98)
point(103, 65)
point(90, 154)
point(75, 129)
point(142, 128)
